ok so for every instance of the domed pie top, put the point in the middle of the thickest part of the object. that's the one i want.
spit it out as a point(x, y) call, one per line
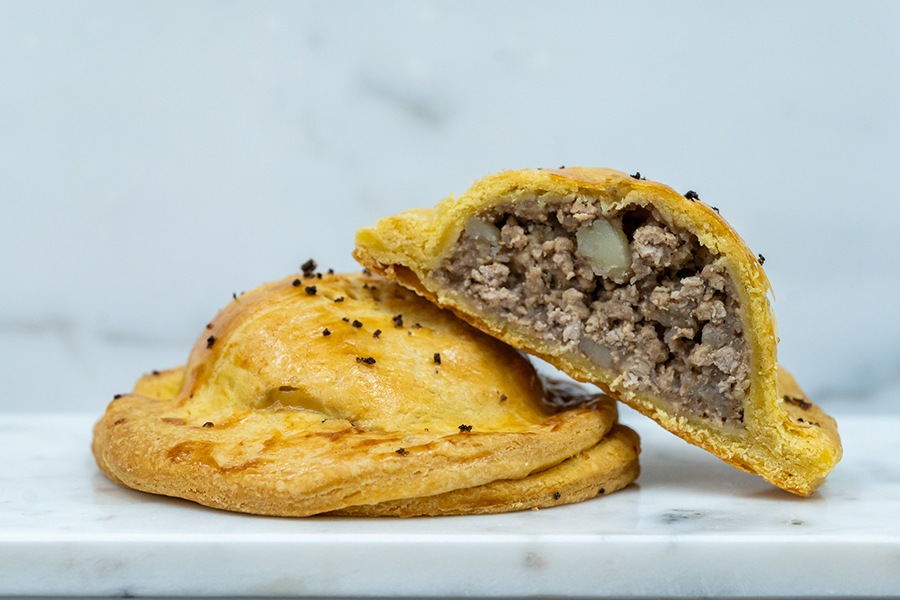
point(350, 393)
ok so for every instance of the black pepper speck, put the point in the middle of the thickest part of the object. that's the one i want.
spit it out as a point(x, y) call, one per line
point(797, 401)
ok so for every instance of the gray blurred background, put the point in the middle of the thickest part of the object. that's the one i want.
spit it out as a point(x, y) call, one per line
point(156, 157)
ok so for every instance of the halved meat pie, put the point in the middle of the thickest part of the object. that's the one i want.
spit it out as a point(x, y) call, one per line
point(626, 284)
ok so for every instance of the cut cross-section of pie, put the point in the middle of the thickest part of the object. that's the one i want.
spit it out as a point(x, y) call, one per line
point(626, 284)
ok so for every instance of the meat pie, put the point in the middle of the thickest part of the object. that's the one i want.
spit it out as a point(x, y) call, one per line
point(626, 284)
point(290, 405)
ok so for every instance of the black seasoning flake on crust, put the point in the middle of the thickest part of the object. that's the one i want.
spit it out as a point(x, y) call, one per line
point(402, 451)
point(209, 424)
point(398, 320)
point(117, 396)
point(376, 334)
point(311, 290)
point(210, 341)
point(637, 175)
point(367, 360)
point(557, 495)
point(339, 299)
point(357, 323)
point(692, 195)
point(802, 403)
point(465, 428)
point(309, 268)
point(761, 259)
point(437, 358)
point(296, 283)
point(326, 332)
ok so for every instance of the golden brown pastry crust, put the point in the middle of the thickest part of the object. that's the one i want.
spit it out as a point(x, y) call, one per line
point(602, 469)
point(272, 416)
point(793, 455)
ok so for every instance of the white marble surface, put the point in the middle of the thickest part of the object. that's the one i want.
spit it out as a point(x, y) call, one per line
point(692, 527)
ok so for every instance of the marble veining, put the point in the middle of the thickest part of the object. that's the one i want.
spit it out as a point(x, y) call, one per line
point(691, 526)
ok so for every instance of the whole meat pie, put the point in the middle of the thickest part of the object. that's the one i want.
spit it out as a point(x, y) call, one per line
point(349, 393)
point(627, 284)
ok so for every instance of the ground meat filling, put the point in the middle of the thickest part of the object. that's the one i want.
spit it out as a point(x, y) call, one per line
point(623, 288)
